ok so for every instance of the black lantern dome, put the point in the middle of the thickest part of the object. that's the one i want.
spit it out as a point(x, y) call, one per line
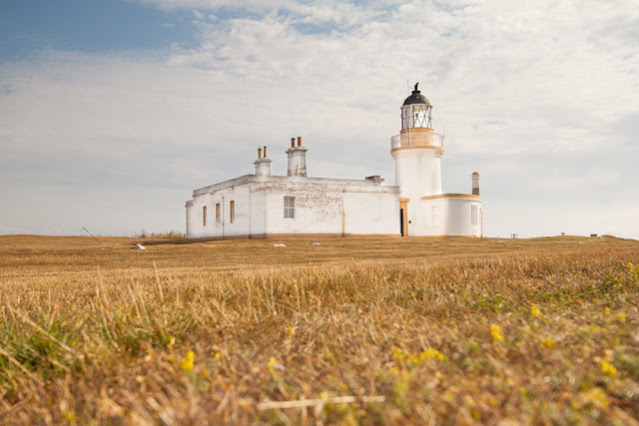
point(416, 98)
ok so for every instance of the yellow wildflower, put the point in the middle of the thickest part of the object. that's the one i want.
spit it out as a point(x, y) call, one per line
point(271, 362)
point(548, 343)
point(534, 310)
point(187, 361)
point(593, 328)
point(398, 354)
point(496, 331)
point(70, 417)
point(620, 317)
point(595, 397)
point(432, 354)
point(608, 369)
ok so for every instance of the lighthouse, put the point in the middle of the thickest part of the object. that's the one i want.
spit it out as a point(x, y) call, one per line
point(417, 151)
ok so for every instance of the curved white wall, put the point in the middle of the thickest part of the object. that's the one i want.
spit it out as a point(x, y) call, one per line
point(453, 215)
point(418, 172)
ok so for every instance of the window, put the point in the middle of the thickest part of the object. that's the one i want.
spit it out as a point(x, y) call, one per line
point(473, 215)
point(435, 215)
point(232, 211)
point(421, 116)
point(204, 216)
point(289, 207)
point(217, 212)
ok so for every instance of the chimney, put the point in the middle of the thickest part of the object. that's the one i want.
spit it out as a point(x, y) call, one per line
point(262, 164)
point(475, 177)
point(296, 158)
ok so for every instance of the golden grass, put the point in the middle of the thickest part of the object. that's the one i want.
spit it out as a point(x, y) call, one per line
point(364, 330)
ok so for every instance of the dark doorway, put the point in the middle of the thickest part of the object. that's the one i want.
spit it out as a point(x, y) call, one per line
point(401, 222)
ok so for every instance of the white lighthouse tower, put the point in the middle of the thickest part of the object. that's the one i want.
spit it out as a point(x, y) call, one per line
point(417, 152)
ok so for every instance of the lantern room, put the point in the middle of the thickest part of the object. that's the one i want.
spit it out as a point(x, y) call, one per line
point(416, 111)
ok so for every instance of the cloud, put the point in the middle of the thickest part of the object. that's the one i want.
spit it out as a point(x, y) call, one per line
point(540, 99)
point(317, 12)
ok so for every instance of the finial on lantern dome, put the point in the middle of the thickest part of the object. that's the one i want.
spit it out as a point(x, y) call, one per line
point(416, 90)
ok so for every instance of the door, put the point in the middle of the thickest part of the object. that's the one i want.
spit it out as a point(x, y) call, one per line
point(403, 216)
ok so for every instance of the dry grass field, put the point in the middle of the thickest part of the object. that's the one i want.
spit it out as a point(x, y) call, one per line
point(370, 331)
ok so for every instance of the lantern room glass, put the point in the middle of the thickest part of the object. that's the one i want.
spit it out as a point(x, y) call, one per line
point(416, 116)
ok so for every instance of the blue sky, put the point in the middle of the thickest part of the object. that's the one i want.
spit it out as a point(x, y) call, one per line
point(111, 113)
point(27, 27)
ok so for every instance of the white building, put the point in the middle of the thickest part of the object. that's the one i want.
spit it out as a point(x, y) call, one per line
point(262, 205)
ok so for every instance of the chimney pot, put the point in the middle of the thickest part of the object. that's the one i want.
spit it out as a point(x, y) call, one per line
point(292, 142)
point(259, 153)
point(264, 151)
point(299, 141)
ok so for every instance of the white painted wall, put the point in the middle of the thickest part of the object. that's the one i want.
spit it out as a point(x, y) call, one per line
point(322, 206)
point(222, 227)
point(369, 213)
point(333, 207)
point(418, 172)
point(454, 217)
point(316, 211)
point(258, 216)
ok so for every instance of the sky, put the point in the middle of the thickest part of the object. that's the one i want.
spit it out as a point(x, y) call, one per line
point(112, 113)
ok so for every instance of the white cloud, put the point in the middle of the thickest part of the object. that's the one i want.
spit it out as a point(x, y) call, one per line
point(524, 93)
